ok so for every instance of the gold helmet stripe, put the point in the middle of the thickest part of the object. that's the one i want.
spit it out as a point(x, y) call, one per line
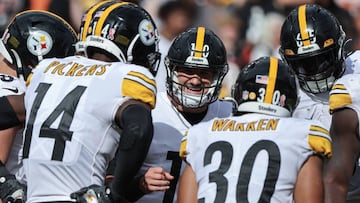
point(303, 25)
point(273, 69)
point(104, 16)
point(89, 17)
point(199, 41)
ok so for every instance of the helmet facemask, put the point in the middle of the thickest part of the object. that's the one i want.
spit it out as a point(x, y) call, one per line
point(204, 94)
point(196, 53)
point(317, 72)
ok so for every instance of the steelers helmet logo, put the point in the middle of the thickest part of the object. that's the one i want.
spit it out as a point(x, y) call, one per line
point(147, 32)
point(39, 43)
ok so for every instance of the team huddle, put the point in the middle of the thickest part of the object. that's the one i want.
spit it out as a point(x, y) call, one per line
point(81, 119)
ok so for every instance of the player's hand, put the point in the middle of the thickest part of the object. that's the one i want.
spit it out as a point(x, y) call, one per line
point(92, 194)
point(155, 179)
point(11, 191)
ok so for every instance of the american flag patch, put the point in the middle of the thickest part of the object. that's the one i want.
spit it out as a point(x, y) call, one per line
point(262, 79)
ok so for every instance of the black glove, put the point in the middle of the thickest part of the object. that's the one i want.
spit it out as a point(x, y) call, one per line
point(92, 194)
point(11, 191)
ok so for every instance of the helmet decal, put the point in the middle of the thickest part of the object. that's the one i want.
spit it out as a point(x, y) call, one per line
point(304, 32)
point(39, 42)
point(147, 32)
point(306, 39)
point(199, 50)
point(262, 79)
point(245, 95)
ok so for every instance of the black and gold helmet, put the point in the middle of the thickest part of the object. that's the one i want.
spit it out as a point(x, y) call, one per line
point(312, 41)
point(125, 31)
point(197, 48)
point(85, 22)
point(34, 35)
point(267, 86)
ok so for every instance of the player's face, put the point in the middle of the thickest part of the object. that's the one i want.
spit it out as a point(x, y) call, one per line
point(194, 81)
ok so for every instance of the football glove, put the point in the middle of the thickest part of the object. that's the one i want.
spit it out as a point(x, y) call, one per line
point(11, 191)
point(92, 194)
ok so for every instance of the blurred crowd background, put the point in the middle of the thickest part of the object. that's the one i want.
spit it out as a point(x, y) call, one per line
point(248, 28)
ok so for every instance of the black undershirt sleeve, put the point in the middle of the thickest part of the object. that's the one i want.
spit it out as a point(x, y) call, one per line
point(8, 116)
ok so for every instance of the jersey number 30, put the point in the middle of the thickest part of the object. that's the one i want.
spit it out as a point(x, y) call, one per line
point(247, 165)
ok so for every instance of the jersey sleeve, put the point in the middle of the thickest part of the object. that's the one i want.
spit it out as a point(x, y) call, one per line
point(345, 93)
point(139, 86)
point(319, 140)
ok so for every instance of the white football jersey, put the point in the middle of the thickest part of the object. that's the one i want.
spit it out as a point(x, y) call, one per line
point(316, 107)
point(169, 128)
point(70, 135)
point(252, 157)
point(346, 93)
point(10, 85)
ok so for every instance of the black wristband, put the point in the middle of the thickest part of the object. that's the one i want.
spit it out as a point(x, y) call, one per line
point(133, 192)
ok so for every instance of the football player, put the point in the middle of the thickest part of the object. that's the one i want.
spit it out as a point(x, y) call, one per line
point(257, 155)
point(77, 108)
point(312, 44)
point(29, 38)
point(196, 65)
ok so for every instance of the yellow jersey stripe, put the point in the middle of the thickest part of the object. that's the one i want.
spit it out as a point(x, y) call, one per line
point(143, 77)
point(319, 129)
point(199, 41)
point(271, 80)
point(104, 16)
point(89, 17)
point(303, 25)
point(182, 151)
point(338, 87)
point(27, 83)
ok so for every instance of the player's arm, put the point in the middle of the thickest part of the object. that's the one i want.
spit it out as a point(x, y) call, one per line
point(155, 179)
point(309, 184)
point(188, 187)
point(6, 140)
point(134, 118)
point(12, 111)
point(346, 149)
